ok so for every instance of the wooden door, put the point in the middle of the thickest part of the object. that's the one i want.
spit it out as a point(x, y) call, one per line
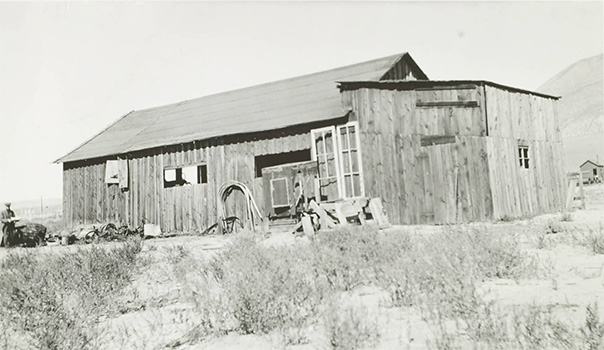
point(325, 153)
point(438, 163)
point(350, 160)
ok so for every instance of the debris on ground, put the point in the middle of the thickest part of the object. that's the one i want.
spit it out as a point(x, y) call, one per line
point(96, 233)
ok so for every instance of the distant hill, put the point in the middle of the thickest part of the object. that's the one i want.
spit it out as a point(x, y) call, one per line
point(581, 110)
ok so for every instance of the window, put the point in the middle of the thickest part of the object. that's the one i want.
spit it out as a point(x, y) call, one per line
point(111, 172)
point(337, 151)
point(269, 160)
point(192, 174)
point(523, 156)
point(595, 172)
point(350, 160)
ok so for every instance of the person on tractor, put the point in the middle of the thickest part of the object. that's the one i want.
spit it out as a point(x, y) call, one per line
point(8, 225)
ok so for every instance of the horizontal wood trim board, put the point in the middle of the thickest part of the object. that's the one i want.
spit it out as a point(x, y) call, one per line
point(436, 140)
point(447, 104)
point(458, 87)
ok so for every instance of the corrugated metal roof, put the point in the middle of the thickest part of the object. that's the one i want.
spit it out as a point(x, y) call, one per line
point(275, 105)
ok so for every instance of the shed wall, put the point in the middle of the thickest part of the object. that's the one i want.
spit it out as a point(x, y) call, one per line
point(514, 119)
point(86, 196)
point(440, 184)
point(521, 116)
point(88, 199)
point(519, 192)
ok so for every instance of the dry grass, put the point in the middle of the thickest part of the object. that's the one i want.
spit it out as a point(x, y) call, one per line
point(249, 287)
point(50, 301)
point(350, 327)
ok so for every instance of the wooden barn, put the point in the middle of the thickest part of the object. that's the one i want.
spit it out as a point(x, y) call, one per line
point(433, 151)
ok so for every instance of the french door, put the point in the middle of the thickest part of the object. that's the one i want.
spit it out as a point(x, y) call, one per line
point(325, 152)
point(350, 160)
point(338, 154)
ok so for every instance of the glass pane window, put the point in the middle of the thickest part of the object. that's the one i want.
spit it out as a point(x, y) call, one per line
point(523, 156)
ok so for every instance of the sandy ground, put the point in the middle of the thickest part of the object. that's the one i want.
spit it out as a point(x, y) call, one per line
point(571, 278)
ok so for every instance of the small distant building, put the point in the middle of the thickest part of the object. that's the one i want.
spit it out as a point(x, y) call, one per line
point(592, 172)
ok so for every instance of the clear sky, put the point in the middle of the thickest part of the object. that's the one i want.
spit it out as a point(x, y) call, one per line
point(67, 70)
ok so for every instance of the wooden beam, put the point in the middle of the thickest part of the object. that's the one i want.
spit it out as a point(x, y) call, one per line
point(325, 220)
point(307, 225)
point(447, 104)
point(436, 140)
point(377, 211)
point(340, 214)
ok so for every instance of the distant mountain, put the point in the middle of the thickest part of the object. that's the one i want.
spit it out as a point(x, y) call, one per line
point(581, 110)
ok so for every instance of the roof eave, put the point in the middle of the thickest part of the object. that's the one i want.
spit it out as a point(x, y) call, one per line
point(61, 160)
point(411, 84)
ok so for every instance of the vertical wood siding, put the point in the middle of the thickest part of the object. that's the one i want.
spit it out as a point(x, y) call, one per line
point(475, 178)
point(434, 184)
point(88, 199)
point(517, 191)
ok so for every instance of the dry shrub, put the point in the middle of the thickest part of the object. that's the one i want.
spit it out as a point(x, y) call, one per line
point(350, 327)
point(593, 331)
point(594, 240)
point(349, 257)
point(262, 288)
point(55, 301)
point(566, 217)
point(442, 270)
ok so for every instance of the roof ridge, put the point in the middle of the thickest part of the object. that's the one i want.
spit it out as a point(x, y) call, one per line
point(289, 101)
point(275, 82)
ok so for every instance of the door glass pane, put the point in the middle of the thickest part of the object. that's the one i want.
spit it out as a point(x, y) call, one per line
point(331, 164)
point(319, 142)
point(349, 186)
point(354, 156)
point(357, 184)
point(328, 142)
point(343, 138)
point(352, 136)
point(345, 162)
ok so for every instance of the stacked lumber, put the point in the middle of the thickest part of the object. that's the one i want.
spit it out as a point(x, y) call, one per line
point(329, 215)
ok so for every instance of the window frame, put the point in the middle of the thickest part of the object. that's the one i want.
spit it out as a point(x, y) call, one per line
point(336, 155)
point(349, 150)
point(180, 181)
point(524, 156)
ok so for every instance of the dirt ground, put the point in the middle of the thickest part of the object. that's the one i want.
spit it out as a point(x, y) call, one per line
point(571, 277)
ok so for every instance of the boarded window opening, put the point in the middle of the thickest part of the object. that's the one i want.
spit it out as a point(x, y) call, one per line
point(280, 193)
point(523, 156)
point(269, 160)
point(192, 174)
